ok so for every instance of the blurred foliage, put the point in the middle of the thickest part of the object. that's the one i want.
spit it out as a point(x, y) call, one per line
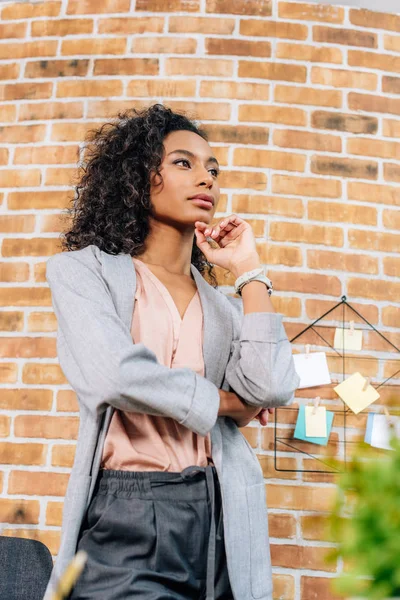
point(365, 523)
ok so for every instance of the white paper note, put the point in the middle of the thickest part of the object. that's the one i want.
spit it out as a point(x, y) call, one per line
point(312, 369)
point(345, 339)
point(380, 435)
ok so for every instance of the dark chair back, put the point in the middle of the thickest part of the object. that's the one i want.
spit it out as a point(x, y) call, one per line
point(25, 568)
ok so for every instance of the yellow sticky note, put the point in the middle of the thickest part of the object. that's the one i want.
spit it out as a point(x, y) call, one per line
point(351, 392)
point(346, 339)
point(315, 423)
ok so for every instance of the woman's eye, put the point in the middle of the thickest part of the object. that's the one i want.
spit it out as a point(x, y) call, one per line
point(183, 160)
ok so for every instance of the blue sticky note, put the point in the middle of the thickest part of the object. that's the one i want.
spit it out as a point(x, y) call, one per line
point(368, 431)
point(300, 431)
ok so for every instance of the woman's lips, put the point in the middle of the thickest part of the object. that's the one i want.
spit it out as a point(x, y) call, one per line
point(202, 203)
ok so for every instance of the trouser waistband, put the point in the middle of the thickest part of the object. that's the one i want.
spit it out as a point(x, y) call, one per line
point(159, 478)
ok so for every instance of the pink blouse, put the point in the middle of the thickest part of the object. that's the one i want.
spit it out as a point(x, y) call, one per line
point(140, 442)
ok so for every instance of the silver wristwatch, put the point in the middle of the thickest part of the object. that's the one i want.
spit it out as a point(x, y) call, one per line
point(254, 275)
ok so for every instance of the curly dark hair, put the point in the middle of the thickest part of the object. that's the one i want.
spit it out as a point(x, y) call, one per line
point(112, 203)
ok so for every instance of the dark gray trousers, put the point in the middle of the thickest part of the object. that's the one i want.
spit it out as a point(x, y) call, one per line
point(153, 535)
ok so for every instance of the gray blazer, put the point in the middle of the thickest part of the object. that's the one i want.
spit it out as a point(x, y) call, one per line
point(93, 300)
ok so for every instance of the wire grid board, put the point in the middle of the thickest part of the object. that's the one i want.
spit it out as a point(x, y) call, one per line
point(379, 358)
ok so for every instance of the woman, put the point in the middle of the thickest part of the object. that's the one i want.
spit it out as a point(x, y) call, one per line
point(166, 496)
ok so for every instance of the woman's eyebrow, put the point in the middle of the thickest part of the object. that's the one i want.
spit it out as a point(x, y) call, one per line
point(188, 153)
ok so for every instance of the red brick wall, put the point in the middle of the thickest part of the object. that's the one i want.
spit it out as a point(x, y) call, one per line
point(302, 105)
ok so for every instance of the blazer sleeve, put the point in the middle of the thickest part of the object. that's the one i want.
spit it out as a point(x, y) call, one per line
point(103, 364)
point(261, 366)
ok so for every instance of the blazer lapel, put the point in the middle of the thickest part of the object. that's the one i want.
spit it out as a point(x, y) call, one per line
point(120, 274)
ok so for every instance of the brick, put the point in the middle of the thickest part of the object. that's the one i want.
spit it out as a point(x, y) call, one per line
point(281, 255)
point(10, 31)
point(23, 91)
point(44, 155)
point(40, 373)
point(372, 240)
point(306, 186)
point(201, 66)
point(338, 261)
point(273, 29)
point(391, 266)
point(391, 172)
point(342, 213)
point(93, 46)
point(344, 167)
point(376, 20)
point(284, 586)
point(126, 66)
point(63, 455)
point(19, 134)
point(67, 401)
point(348, 37)
point(61, 27)
point(306, 283)
point(57, 68)
point(54, 512)
point(8, 374)
point(21, 296)
point(371, 103)
point(311, 12)
point(387, 291)
point(307, 233)
point(391, 314)
point(344, 78)
point(282, 525)
point(301, 95)
point(272, 71)
point(294, 556)
point(272, 114)
point(38, 483)
point(74, 131)
point(253, 180)
point(50, 111)
point(37, 200)
point(293, 138)
point(173, 5)
point(20, 50)
point(29, 11)
point(374, 60)
point(344, 122)
point(251, 435)
point(19, 511)
point(374, 147)
point(19, 178)
point(17, 224)
point(235, 47)
point(315, 588)
point(391, 219)
point(236, 134)
point(268, 159)
point(268, 467)
point(259, 8)
point(76, 7)
point(391, 84)
point(160, 87)
point(309, 53)
point(220, 111)
point(129, 25)
point(29, 247)
point(8, 71)
point(204, 25)
point(267, 205)
point(316, 307)
point(5, 423)
point(166, 44)
point(49, 538)
point(65, 428)
point(89, 88)
point(13, 453)
point(367, 192)
point(12, 320)
point(295, 497)
point(391, 43)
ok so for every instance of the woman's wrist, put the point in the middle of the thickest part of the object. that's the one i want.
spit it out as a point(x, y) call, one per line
point(247, 264)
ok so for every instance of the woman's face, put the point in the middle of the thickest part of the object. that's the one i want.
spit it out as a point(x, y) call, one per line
point(188, 168)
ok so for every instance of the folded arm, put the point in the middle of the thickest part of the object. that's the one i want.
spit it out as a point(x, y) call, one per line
point(104, 366)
